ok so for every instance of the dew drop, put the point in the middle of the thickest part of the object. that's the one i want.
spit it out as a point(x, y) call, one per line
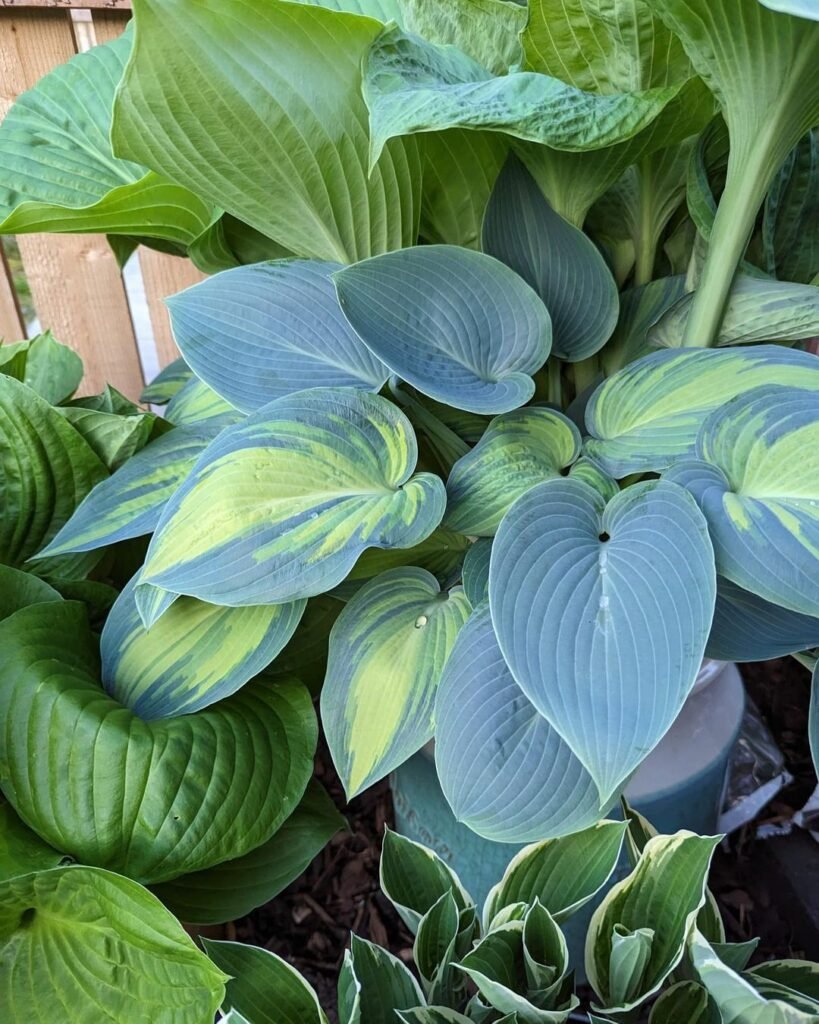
point(421, 621)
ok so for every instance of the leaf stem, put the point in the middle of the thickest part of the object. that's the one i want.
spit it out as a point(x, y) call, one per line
point(554, 394)
point(645, 249)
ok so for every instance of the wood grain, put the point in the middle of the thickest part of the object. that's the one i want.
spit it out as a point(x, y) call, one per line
point(164, 275)
point(119, 5)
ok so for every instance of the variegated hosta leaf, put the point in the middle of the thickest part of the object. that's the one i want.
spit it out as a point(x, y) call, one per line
point(475, 571)
point(748, 628)
point(576, 586)
point(196, 404)
point(260, 332)
point(757, 483)
point(590, 473)
point(291, 497)
point(648, 415)
point(434, 950)
point(664, 893)
point(150, 800)
point(562, 874)
point(518, 450)
point(81, 944)
point(263, 988)
point(377, 985)
point(256, 153)
point(387, 651)
point(166, 383)
point(523, 231)
point(457, 325)
point(794, 981)
point(504, 770)
point(686, 1001)
point(195, 655)
point(130, 502)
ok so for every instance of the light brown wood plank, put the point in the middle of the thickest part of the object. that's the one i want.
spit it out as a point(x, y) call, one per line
point(119, 5)
point(164, 275)
point(109, 24)
point(11, 322)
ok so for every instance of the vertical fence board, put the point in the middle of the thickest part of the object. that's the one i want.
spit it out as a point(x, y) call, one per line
point(164, 275)
point(11, 323)
point(108, 24)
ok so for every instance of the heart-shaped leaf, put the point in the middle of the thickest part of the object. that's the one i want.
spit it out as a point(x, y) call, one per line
point(291, 497)
point(576, 586)
point(748, 628)
point(459, 326)
point(518, 450)
point(261, 332)
point(152, 801)
point(387, 651)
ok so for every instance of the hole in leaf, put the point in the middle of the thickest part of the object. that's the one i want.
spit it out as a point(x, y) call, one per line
point(604, 537)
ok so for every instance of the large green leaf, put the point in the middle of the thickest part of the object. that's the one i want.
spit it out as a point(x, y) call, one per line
point(21, 850)
point(280, 506)
point(195, 655)
point(518, 450)
point(151, 800)
point(748, 628)
point(53, 370)
point(648, 415)
point(80, 944)
point(217, 98)
point(387, 651)
point(504, 770)
point(757, 482)
point(458, 325)
point(576, 585)
point(260, 332)
point(488, 30)
point(19, 589)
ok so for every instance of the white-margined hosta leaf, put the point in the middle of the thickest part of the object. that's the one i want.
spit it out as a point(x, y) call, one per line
point(518, 450)
point(748, 628)
point(280, 506)
point(664, 893)
point(258, 333)
point(757, 483)
point(686, 1001)
point(80, 944)
point(649, 413)
point(602, 612)
point(523, 231)
point(458, 325)
point(433, 1015)
point(504, 770)
point(376, 985)
point(150, 800)
point(475, 571)
point(387, 651)
point(286, 155)
point(195, 655)
point(196, 404)
point(130, 501)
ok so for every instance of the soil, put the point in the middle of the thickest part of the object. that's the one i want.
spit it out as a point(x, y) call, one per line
point(309, 923)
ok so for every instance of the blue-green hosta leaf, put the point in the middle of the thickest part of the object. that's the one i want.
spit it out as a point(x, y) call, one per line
point(285, 155)
point(748, 628)
point(19, 589)
point(686, 1001)
point(562, 874)
point(648, 415)
point(475, 571)
point(523, 231)
point(280, 506)
point(53, 370)
point(262, 987)
point(150, 800)
point(790, 235)
point(518, 450)
point(457, 325)
point(387, 651)
point(261, 332)
point(59, 173)
point(800, 8)
point(130, 502)
point(664, 893)
point(381, 985)
point(640, 308)
point(504, 770)
point(80, 944)
point(166, 383)
point(757, 483)
point(236, 887)
point(196, 404)
point(195, 655)
point(22, 850)
point(112, 437)
point(487, 30)
point(576, 587)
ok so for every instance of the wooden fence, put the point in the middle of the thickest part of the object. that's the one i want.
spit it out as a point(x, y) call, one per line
point(76, 287)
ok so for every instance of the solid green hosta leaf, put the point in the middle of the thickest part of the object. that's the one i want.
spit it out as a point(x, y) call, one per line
point(562, 874)
point(475, 571)
point(287, 156)
point(757, 483)
point(664, 893)
point(264, 988)
point(487, 30)
point(576, 585)
point(21, 850)
point(648, 415)
point(236, 887)
point(151, 800)
point(114, 438)
point(59, 173)
point(522, 230)
point(459, 326)
point(261, 332)
point(195, 655)
point(640, 308)
point(758, 309)
point(378, 983)
point(166, 383)
point(504, 770)
point(387, 651)
point(80, 944)
point(748, 628)
point(686, 1001)
point(383, 10)
point(46, 469)
point(53, 370)
point(19, 589)
point(518, 450)
point(790, 227)
point(196, 404)
point(280, 506)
